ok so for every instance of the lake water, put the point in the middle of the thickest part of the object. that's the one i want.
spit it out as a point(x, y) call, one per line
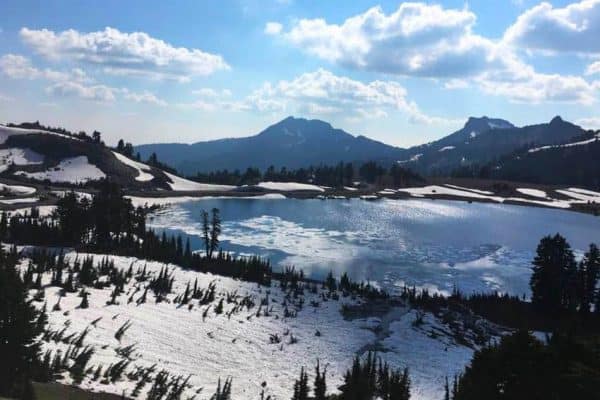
point(427, 243)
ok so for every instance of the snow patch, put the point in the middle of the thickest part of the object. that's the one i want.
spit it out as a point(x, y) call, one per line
point(18, 156)
point(142, 169)
point(72, 170)
point(446, 148)
point(185, 185)
point(17, 190)
point(533, 192)
point(289, 186)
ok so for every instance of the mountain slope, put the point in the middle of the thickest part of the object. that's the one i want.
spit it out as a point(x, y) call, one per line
point(292, 142)
point(574, 163)
point(37, 155)
point(483, 140)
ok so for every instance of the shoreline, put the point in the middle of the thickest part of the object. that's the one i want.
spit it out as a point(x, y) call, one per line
point(470, 191)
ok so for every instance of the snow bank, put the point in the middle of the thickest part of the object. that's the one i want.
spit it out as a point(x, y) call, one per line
point(142, 176)
point(17, 189)
point(450, 191)
point(72, 170)
point(533, 192)
point(21, 200)
point(18, 156)
point(185, 185)
point(289, 186)
point(580, 194)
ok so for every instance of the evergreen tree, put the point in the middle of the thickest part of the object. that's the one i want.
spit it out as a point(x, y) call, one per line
point(589, 271)
point(301, 386)
point(554, 274)
point(215, 231)
point(320, 385)
point(206, 232)
point(19, 327)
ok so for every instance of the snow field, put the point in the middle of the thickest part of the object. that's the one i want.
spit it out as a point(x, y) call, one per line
point(181, 341)
point(73, 170)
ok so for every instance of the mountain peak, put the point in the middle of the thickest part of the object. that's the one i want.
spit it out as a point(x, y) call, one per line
point(485, 123)
point(556, 120)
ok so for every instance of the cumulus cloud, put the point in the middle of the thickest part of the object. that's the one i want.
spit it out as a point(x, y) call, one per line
point(571, 29)
point(18, 67)
point(136, 53)
point(423, 40)
point(273, 28)
point(99, 93)
point(322, 92)
point(593, 68)
point(417, 40)
point(143, 97)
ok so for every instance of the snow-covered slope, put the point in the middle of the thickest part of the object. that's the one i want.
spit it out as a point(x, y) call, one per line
point(19, 156)
point(251, 345)
point(185, 185)
point(142, 169)
point(71, 170)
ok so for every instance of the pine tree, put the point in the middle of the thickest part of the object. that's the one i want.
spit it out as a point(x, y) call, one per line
point(590, 271)
point(301, 387)
point(320, 388)
point(18, 331)
point(553, 277)
point(215, 231)
point(206, 232)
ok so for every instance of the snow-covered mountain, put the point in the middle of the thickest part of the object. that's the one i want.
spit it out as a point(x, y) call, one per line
point(42, 156)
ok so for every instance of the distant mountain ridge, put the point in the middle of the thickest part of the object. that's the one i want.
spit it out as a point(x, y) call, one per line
point(291, 143)
point(298, 142)
point(483, 140)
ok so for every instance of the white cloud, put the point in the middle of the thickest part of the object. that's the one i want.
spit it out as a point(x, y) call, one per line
point(143, 97)
point(323, 93)
point(18, 67)
point(571, 29)
point(98, 93)
point(273, 28)
point(136, 53)
point(593, 68)
point(417, 40)
point(589, 123)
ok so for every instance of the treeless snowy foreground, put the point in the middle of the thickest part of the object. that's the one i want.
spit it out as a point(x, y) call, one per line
point(252, 345)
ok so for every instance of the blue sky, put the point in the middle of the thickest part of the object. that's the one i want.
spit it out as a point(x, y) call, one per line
point(402, 73)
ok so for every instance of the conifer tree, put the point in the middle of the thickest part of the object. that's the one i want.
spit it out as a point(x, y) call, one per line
point(301, 386)
point(19, 327)
point(215, 231)
point(206, 232)
point(320, 388)
point(552, 280)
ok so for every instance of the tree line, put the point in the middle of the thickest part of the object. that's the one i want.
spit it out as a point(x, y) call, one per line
point(338, 176)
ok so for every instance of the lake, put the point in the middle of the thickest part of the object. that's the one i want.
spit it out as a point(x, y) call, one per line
point(426, 243)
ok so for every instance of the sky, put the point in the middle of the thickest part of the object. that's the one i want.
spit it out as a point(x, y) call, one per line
point(402, 73)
